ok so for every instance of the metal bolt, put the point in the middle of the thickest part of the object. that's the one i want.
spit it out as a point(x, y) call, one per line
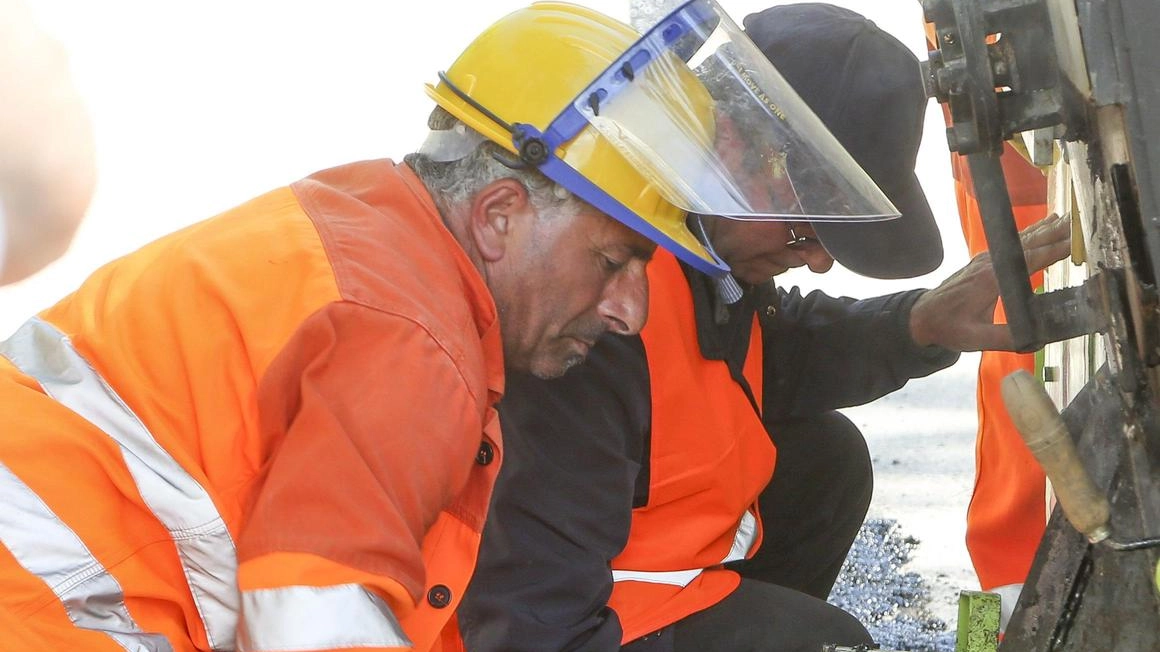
point(770, 311)
point(951, 79)
point(949, 38)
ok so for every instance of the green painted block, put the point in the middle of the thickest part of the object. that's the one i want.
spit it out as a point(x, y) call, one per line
point(1158, 575)
point(978, 629)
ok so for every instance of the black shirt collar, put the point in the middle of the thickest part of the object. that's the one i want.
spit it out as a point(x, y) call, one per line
point(723, 331)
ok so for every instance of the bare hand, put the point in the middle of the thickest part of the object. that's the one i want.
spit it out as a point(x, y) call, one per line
point(959, 313)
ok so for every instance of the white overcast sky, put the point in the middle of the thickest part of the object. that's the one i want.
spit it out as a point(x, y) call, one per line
point(198, 106)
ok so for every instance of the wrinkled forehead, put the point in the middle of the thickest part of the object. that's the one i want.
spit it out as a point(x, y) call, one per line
point(606, 232)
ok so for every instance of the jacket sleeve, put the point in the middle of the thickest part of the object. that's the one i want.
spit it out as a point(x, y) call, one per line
point(824, 353)
point(368, 431)
point(561, 508)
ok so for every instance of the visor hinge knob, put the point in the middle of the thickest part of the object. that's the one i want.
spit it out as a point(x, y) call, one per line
point(533, 150)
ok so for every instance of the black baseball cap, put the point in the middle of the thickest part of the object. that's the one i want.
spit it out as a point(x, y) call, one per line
point(866, 86)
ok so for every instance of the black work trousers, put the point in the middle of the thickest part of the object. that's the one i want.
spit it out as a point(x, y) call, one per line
point(811, 511)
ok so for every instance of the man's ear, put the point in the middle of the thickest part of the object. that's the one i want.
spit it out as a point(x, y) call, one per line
point(495, 211)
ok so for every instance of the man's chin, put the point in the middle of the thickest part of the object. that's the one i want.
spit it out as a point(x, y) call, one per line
point(556, 368)
point(758, 274)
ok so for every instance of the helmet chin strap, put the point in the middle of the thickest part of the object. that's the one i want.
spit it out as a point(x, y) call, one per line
point(729, 290)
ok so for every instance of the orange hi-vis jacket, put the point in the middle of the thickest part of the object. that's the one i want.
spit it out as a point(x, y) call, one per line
point(1006, 517)
point(1007, 514)
point(272, 430)
point(710, 458)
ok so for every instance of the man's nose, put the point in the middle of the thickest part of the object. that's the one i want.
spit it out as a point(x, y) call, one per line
point(816, 257)
point(624, 307)
point(804, 241)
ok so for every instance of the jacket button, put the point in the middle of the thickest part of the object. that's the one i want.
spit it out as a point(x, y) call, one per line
point(485, 455)
point(770, 310)
point(439, 596)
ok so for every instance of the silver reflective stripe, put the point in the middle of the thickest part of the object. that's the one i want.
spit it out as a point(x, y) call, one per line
point(49, 549)
point(177, 500)
point(676, 578)
point(346, 616)
point(743, 540)
point(1008, 596)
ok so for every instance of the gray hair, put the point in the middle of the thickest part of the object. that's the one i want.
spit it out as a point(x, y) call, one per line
point(455, 182)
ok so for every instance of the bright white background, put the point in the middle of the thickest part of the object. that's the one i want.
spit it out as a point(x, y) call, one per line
point(198, 106)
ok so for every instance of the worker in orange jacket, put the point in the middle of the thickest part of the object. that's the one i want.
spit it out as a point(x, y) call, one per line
point(1007, 514)
point(631, 482)
point(274, 430)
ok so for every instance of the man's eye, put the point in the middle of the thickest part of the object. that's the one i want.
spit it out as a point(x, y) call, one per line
point(612, 265)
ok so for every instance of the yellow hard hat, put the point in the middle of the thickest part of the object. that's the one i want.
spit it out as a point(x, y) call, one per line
point(689, 117)
point(518, 83)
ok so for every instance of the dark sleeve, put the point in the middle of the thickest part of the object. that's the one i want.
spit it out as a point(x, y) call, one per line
point(561, 508)
point(824, 353)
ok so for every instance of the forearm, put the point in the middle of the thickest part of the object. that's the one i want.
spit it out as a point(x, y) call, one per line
point(826, 353)
point(34, 238)
point(47, 164)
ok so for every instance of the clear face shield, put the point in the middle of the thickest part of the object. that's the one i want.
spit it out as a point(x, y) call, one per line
point(740, 143)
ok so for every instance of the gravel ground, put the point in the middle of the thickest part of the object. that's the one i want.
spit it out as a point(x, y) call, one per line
point(903, 575)
point(893, 603)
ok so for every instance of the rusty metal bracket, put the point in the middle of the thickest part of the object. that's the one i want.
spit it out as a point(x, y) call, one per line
point(993, 72)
